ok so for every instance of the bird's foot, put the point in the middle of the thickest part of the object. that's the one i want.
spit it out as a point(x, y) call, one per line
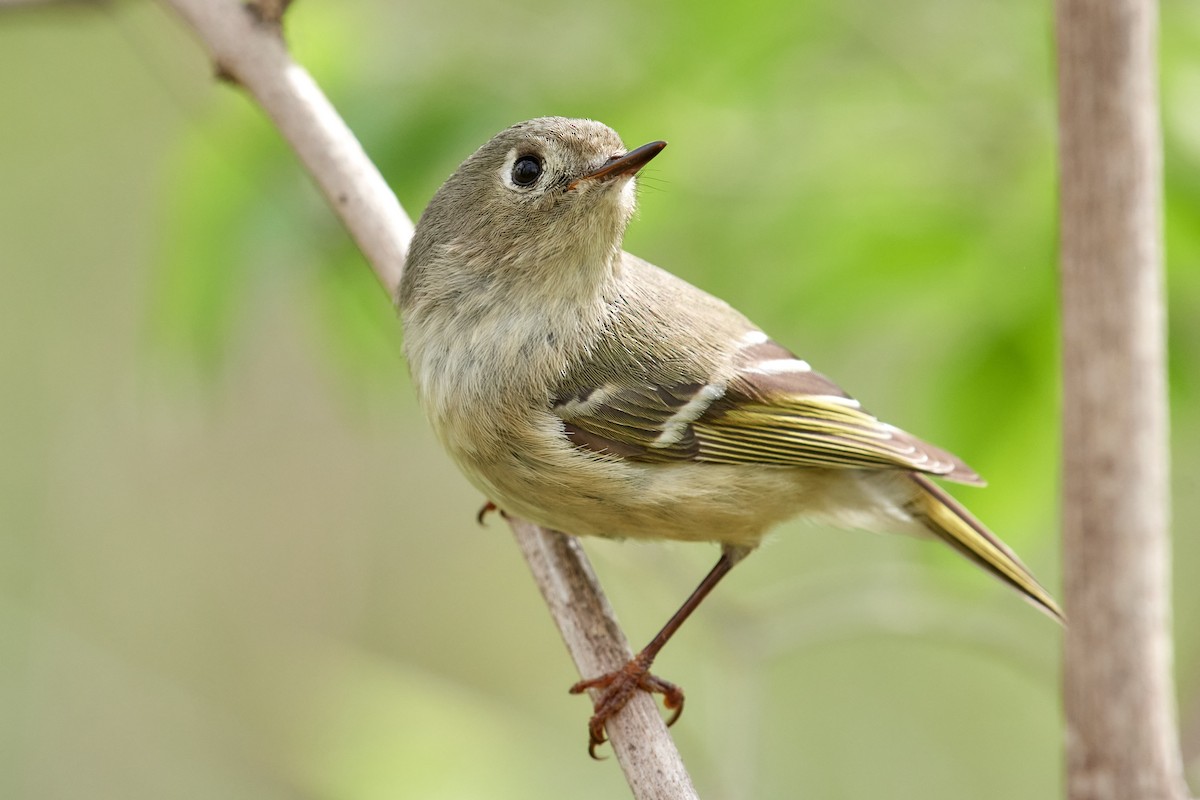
point(488, 508)
point(617, 687)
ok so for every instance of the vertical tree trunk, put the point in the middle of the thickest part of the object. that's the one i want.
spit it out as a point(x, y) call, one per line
point(1122, 742)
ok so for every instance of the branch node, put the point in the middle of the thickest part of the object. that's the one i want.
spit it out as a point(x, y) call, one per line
point(268, 13)
point(224, 74)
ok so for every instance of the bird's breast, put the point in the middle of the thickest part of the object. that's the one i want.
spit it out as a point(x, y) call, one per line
point(483, 382)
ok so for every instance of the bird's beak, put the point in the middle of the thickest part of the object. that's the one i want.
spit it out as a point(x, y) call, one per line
point(627, 164)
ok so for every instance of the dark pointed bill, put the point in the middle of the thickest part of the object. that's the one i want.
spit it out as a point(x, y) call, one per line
point(627, 164)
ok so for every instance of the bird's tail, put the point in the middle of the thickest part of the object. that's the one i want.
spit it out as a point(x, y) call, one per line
point(948, 520)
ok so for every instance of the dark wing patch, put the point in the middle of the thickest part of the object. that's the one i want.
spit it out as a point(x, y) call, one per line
point(642, 423)
point(587, 440)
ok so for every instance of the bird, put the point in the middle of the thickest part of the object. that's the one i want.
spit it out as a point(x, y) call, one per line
point(586, 390)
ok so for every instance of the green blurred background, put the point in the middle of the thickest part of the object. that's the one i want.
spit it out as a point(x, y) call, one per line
point(234, 562)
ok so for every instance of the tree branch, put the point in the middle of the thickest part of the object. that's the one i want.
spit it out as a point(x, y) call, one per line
point(597, 645)
point(1122, 742)
point(248, 49)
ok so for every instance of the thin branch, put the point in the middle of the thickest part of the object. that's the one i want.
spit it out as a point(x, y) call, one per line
point(252, 53)
point(597, 645)
point(1122, 742)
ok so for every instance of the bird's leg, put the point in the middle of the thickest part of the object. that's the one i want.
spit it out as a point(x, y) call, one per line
point(618, 686)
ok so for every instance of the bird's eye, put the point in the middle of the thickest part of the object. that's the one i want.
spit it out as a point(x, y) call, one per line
point(527, 170)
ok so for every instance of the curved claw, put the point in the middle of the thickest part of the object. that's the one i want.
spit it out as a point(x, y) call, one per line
point(488, 508)
point(672, 695)
point(596, 738)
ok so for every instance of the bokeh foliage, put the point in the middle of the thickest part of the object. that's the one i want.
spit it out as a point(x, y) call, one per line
point(236, 564)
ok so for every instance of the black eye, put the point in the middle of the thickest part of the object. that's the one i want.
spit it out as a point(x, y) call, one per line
point(527, 170)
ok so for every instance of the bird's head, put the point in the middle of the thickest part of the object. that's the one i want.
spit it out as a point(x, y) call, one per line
point(547, 194)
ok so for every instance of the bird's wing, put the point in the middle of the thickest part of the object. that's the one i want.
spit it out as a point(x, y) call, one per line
point(771, 408)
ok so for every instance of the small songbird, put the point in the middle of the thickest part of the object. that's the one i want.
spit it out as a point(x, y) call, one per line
point(588, 391)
